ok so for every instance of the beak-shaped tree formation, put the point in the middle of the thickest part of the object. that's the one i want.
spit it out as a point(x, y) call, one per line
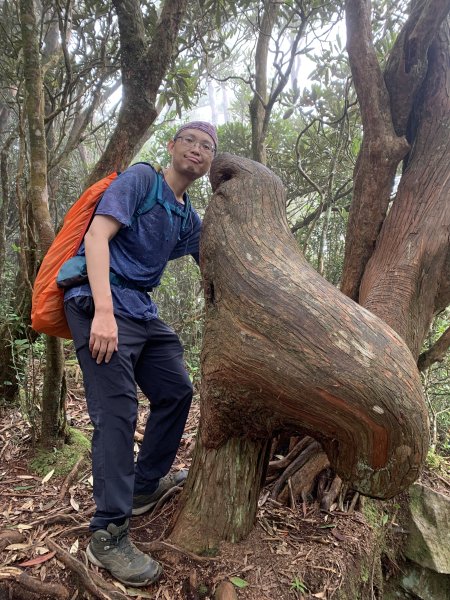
point(283, 349)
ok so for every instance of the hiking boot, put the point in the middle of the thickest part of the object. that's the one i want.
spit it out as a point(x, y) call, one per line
point(144, 502)
point(113, 550)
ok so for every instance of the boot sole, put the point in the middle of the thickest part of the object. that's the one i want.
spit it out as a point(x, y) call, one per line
point(143, 509)
point(94, 560)
point(140, 510)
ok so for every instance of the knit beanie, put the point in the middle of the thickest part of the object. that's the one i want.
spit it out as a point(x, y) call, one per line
point(203, 126)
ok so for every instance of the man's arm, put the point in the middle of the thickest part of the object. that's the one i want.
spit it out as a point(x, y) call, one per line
point(103, 340)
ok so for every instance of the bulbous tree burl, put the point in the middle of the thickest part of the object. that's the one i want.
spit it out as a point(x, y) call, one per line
point(285, 350)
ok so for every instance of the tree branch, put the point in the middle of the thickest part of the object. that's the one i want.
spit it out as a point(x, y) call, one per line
point(90, 581)
point(142, 74)
point(436, 353)
point(320, 209)
point(442, 299)
point(367, 76)
point(132, 34)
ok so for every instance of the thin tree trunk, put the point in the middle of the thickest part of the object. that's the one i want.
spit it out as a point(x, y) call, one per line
point(225, 103)
point(12, 330)
point(212, 102)
point(38, 193)
point(323, 239)
point(436, 353)
point(53, 423)
point(5, 201)
point(53, 419)
point(258, 105)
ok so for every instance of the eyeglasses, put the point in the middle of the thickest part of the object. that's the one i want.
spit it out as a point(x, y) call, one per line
point(190, 142)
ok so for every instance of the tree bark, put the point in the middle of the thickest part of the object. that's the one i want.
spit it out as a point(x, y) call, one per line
point(12, 329)
point(442, 299)
point(53, 423)
point(284, 350)
point(216, 505)
point(143, 68)
point(407, 64)
point(4, 206)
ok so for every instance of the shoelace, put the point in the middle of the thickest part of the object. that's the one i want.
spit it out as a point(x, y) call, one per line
point(125, 544)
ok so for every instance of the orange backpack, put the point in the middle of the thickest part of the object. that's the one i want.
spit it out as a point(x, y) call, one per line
point(47, 311)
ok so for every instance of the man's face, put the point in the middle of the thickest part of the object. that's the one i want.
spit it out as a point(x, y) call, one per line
point(192, 153)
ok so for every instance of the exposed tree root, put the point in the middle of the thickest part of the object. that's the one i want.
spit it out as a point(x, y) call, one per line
point(225, 591)
point(355, 499)
point(27, 587)
point(306, 472)
point(15, 591)
point(159, 545)
point(89, 580)
point(62, 518)
point(170, 492)
point(277, 465)
point(303, 480)
point(296, 464)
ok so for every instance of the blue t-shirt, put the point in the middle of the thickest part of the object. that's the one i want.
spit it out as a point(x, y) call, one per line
point(140, 250)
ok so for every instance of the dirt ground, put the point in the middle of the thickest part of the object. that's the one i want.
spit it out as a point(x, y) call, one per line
point(292, 553)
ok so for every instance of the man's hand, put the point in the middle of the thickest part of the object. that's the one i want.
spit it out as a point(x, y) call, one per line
point(104, 337)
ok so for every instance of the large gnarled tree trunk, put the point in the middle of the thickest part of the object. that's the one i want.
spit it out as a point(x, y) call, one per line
point(285, 350)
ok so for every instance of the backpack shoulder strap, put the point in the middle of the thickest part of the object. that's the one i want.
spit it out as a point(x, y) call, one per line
point(155, 196)
point(152, 198)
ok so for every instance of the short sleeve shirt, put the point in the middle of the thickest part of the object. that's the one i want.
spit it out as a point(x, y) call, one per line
point(140, 250)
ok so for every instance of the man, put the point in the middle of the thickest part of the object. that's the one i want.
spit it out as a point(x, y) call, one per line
point(121, 342)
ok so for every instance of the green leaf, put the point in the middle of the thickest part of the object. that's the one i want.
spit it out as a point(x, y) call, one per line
point(298, 585)
point(238, 582)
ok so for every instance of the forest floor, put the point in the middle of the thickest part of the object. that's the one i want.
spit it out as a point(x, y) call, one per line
point(297, 552)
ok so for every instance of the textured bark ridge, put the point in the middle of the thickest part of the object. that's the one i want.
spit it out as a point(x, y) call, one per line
point(284, 349)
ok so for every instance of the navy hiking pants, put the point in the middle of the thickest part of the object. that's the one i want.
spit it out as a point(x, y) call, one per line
point(150, 355)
